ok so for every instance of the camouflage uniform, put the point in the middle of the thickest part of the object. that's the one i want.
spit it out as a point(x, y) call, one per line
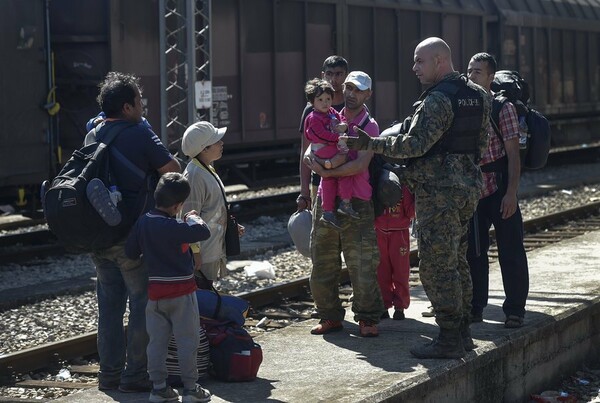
point(358, 242)
point(446, 188)
point(326, 246)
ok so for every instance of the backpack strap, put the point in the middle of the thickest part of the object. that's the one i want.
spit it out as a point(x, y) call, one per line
point(365, 121)
point(111, 132)
point(501, 163)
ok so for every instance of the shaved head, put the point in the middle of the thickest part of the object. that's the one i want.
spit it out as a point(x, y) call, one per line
point(433, 60)
point(437, 46)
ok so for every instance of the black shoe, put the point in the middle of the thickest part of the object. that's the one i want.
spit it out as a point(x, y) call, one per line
point(315, 314)
point(108, 385)
point(136, 387)
point(385, 315)
point(476, 317)
point(399, 314)
point(447, 345)
point(513, 322)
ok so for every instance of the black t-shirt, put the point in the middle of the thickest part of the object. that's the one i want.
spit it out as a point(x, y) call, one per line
point(315, 179)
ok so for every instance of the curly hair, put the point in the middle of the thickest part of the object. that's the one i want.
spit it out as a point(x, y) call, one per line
point(116, 90)
point(315, 88)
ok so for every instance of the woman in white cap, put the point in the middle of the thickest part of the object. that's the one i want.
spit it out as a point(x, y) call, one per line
point(202, 143)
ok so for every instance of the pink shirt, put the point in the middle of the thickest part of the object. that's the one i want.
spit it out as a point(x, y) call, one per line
point(318, 130)
point(361, 188)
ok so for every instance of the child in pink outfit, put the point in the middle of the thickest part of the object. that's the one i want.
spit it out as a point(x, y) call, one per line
point(393, 239)
point(322, 128)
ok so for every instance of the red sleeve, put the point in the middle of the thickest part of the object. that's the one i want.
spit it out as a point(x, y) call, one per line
point(408, 203)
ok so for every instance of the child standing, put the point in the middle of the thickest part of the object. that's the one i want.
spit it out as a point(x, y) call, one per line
point(322, 128)
point(172, 307)
point(392, 228)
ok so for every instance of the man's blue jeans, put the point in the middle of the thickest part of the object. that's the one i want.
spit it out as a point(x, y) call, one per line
point(119, 278)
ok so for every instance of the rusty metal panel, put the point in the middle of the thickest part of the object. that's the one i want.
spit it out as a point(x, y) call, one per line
point(452, 34)
point(258, 61)
point(431, 24)
point(226, 70)
point(385, 73)
point(526, 67)
point(582, 80)
point(563, 14)
point(568, 61)
point(556, 74)
point(410, 36)
point(472, 39)
point(80, 41)
point(540, 96)
point(594, 66)
point(510, 47)
point(24, 148)
point(134, 48)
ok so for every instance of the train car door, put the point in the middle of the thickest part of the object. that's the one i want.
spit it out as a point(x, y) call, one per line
point(24, 137)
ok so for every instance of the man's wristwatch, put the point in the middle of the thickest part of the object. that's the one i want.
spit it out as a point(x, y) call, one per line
point(327, 164)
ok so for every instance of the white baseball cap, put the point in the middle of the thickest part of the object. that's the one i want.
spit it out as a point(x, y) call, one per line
point(199, 136)
point(360, 79)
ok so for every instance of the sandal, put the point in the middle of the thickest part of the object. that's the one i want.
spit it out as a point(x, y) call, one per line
point(513, 322)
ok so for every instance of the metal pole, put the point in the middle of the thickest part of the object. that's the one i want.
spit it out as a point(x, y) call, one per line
point(190, 17)
point(163, 72)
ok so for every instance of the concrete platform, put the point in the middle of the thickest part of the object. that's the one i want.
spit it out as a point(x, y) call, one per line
point(562, 330)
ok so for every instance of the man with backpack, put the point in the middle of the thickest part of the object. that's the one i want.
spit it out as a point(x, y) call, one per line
point(498, 205)
point(136, 148)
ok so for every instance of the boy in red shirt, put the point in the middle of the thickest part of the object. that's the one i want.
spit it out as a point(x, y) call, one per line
point(393, 239)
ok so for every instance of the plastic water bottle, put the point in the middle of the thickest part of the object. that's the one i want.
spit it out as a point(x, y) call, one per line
point(115, 195)
point(193, 219)
point(522, 132)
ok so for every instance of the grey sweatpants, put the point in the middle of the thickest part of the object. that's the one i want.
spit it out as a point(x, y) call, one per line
point(178, 316)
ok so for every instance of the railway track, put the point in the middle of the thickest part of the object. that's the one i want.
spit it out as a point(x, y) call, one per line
point(287, 300)
point(40, 242)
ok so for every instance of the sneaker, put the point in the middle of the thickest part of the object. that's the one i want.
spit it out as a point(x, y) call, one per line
point(108, 385)
point(367, 328)
point(327, 326)
point(385, 315)
point(314, 314)
point(513, 322)
point(166, 394)
point(136, 387)
point(330, 219)
point(99, 197)
point(346, 208)
point(399, 314)
point(199, 394)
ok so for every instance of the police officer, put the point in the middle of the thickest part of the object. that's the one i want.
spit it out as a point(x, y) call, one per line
point(447, 135)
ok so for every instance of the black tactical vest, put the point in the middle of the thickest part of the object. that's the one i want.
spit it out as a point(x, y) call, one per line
point(467, 105)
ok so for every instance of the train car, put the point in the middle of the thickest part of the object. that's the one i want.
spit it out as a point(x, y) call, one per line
point(262, 52)
point(556, 47)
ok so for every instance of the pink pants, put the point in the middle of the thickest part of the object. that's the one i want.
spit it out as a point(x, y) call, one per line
point(394, 267)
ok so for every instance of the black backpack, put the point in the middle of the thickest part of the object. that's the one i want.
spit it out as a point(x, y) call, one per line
point(510, 86)
point(69, 214)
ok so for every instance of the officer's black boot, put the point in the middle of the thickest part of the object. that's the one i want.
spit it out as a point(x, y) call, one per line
point(465, 334)
point(447, 345)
